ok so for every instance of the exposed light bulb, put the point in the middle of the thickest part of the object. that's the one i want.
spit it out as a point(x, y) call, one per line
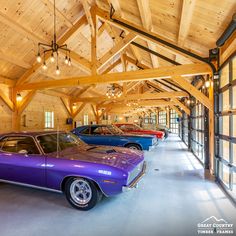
point(52, 58)
point(188, 101)
point(69, 62)
point(18, 97)
point(45, 66)
point(58, 71)
point(66, 60)
point(207, 84)
point(39, 59)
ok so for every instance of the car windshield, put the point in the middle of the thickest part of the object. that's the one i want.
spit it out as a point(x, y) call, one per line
point(58, 141)
point(115, 130)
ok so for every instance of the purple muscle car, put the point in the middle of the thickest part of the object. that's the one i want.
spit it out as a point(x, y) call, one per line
point(61, 161)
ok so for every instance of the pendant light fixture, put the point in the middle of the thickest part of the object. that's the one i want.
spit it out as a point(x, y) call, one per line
point(53, 48)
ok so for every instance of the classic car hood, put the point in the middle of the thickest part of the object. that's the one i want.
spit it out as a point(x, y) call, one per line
point(117, 157)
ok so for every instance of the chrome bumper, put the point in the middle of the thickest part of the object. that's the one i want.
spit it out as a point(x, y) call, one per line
point(134, 183)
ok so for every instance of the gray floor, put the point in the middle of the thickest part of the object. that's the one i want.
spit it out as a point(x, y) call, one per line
point(172, 199)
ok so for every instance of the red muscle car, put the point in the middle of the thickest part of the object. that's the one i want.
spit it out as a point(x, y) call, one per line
point(135, 129)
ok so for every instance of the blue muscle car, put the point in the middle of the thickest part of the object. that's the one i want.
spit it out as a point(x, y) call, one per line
point(110, 135)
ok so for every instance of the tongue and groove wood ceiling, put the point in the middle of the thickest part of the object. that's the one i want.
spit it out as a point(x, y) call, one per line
point(192, 24)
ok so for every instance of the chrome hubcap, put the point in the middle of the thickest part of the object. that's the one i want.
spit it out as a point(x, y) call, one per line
point(80, 191)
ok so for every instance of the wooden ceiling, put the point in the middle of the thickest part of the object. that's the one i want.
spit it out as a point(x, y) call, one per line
point(193, 25)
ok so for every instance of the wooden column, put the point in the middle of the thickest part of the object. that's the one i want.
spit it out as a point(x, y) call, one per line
point(168, 118)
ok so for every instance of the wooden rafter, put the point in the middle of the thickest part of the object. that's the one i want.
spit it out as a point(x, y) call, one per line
point(6, 100)
point(62, 40)
point(185, 20)
point(150, 96)
point(25, 102)
point(194, 92)
point(105, 16)
point(140, 75)
point(66, 104)
point(6, 81)
point(81, 107)
point(88, 14)
point(112, 66)
point(176, 102)
point(146, 18)
point(116, 50)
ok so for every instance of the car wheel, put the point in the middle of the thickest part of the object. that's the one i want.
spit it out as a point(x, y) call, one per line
point(82, 193)
point(133, 146)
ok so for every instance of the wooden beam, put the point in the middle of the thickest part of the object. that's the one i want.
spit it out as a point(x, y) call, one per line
point(7, 82)
point(176, 109)
point(55, 93)
point(185, 20)
point(116, 50)
point(176, 102)
point(84, 64)
point(228, 48)
point(88, 16)
point(94, 44)
point(62, 40)
point(150, 96)
point(101, 29)
point(140, 75)
point(24, 103)
point(6, 100)
point(82, 91)
point(112, 66)
point(136, 63)
point(94, 111)
point(66, 104)
point(105, 16)
point(194, 92)
point(74, 114)
point(146, 17)
point(14, 60)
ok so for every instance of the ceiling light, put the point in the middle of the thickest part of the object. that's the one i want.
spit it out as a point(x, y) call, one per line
point(45, 66)
point(18, 97)
point(53, 48)
point(58, 71)
point(39, 59)
point(207, 83)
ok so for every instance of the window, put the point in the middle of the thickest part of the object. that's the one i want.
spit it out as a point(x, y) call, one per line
point(20, 144)
point(86, 119)
point(174, 124)
point(49, 119)
point(162, 118)
point(226, 123)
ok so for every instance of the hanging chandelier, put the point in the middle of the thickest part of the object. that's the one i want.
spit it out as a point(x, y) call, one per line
point(54, 49)
point(114, 91)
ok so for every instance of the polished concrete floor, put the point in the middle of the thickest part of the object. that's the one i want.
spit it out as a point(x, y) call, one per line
point(172, 199)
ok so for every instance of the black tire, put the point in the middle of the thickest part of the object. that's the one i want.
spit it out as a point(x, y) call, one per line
point(133, 146)
point(93, 194)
